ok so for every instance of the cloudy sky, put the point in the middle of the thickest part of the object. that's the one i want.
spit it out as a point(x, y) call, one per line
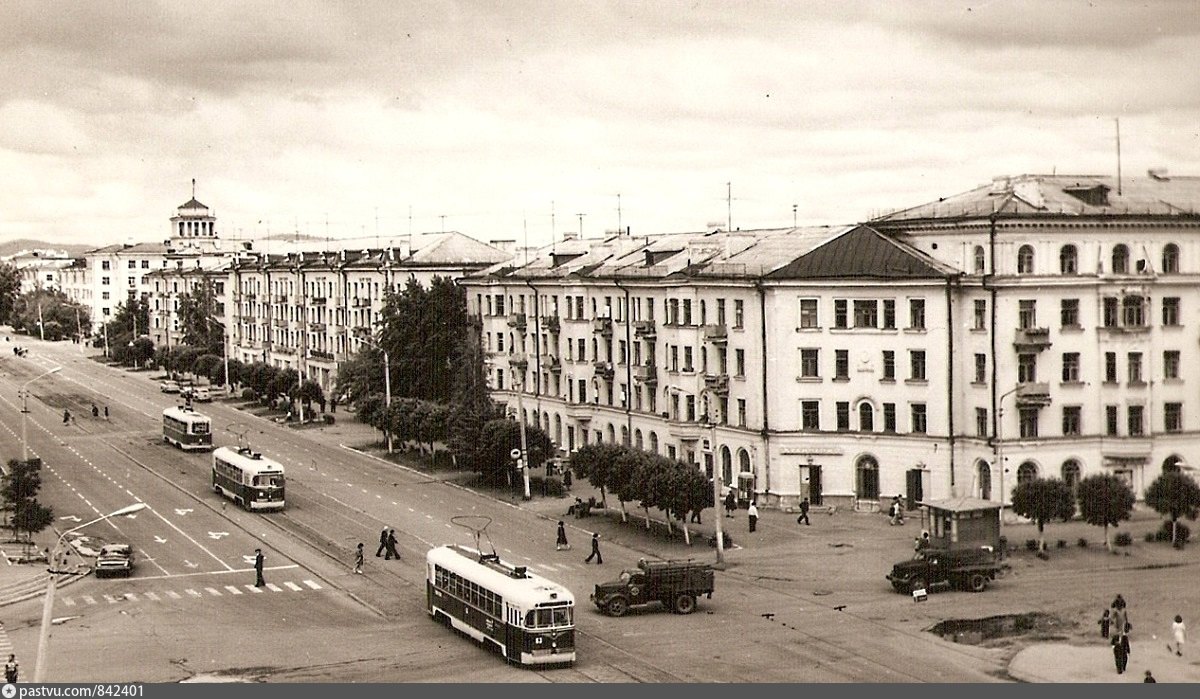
point(338, 119)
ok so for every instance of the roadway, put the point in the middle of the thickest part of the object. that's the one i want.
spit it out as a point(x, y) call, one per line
point(191, 607)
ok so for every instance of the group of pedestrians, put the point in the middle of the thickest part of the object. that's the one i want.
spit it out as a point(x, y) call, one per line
point(20, 351)
point(387, 550)
point(1115, 626)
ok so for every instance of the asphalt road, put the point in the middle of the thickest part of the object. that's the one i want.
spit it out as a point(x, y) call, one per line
point(188, 608)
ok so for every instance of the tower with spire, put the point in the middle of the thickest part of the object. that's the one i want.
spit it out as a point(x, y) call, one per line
point(193, 227)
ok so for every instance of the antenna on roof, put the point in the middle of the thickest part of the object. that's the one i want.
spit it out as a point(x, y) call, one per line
point(1118, 121)
point(619, 226)
point(728, 206)
point(525, 244)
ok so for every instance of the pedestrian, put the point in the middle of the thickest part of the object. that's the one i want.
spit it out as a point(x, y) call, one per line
point(803, 512)
point(1105, 622)
point(920, 544)
point(11, 668)
point(333, 404)
point(567, 478)
point(897, 511)
point(66, 417)
point(730, 503)
point(1120, 644)
point(1149, 678)
point(696, 516)
point(391, 546)
point(1120, 618)
point(595, 550)
point(1179, 631)
point(95, 411)
point(752, 512)
point(258, 568)
point(561, 542)
point(106, 412)
point(358, 559)
point(383, 541)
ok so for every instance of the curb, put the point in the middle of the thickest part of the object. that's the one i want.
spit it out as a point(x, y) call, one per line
point(32, 588)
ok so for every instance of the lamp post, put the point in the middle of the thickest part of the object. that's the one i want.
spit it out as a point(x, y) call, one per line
point(524, 444)
point(25, 410)
point(716, 479)
point(1000, 446)
point(39, 672)
point(387, 384)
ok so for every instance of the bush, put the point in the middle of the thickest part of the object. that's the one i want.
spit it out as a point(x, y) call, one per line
point(328, 418)
point(1151, 537)
point(552, 487)
point(1062, 543)
point(1164, 532)
point(1031, 544)
point(1083, 543)
point(1123, 539)
point(247, 394)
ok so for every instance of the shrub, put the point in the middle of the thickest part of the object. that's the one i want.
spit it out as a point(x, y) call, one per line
point(329, 419)
point(1151, 536)
point(247, 394)
point(1164, 533)
point(1031, 544)
point(552, 487)
point(1123, 539)
point(1082, 543)
point(1062, 543)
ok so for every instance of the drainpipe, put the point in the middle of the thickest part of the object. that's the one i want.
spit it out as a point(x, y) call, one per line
point(950, 376)
point(628, 362)
point(766, 425)
point(537, 354)
point(989, 283)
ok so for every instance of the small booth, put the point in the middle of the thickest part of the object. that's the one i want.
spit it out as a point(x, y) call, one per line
point(745, 489)
point(961, 523)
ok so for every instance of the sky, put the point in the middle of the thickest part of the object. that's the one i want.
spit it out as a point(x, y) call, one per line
point(505, 120)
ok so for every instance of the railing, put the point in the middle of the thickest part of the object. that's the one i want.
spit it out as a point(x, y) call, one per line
point(645, 373)
point(317, 327)
point(279, 322)
point(602, 326)
point(716, 333)
point(604, 369)
point(317, 301)
point(518, 362)
point(362, 303)
point(1032, 339)
point(517, 320)
point(284, 350)
point(321, 354)
point(551, 362)
point(718, 383)
point(551, 323)
point(645, 329)
point(1033, 394)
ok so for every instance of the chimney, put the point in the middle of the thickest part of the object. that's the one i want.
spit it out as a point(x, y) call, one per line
point(571, 235)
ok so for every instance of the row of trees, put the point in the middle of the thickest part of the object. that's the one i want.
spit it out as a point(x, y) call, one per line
point(1104, 500)
point(20, 489)
point(654, 481)
point(41, 311)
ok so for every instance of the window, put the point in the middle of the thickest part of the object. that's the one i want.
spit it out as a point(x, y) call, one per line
point(1173, 417)
point(1026, 473)
point(1170, 310)
point(721, 311)
point(1068, 260)
point(916, 314)
point(889, 314)
point(1070, 473)
point(917, 365)
point(843, 416)
point(980, 368)
point(866, 418)
point(739, 314)
point(1171, 364)
point(841, 364)
point(866, 314)
point(981, 422)
point(105, 265)
point(739, 362)
point(1025, 260)
point(1135, 421)
point(1120, 260)
point(133, 264)
point(741, 409)
point(808, 313)
point(889, 365)
point(839, 313)
point(1110, 367)
point(1111, 312)
point(1027, 315)
point(979, 259)
point(687, 311)
point(1110, 420)
point(889, 417)
point(1070, 313)
point(980, 315)
point(1026, 368)
point(1029, 422)
point(867, 478)
point(918, 418)
point(1070, 367)
point(687, 359)
point(1135, 367)
point(810, 363)
point(1072, 420)
point(1133, 311)
point(105, 281)
point(145, 264)
point(1170, 259)
point(810, 415)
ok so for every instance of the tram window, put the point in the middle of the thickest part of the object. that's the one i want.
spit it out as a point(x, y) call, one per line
point(199, 428)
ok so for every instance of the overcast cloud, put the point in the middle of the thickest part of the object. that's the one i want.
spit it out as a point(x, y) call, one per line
point(336, 118)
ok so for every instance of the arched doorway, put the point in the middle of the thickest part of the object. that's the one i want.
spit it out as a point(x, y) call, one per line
point(610, 435)
point(653, 443)
point(1071, 471)
point(983, 477)
point(1027, 473)
point(624, 436)
point(726, 465)
point(866, 478)
point(1172, 464)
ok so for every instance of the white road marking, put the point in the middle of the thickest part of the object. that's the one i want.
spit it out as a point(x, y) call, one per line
point(274, 588)
point(213, 591)
point(189, 538)
point(193, 593)
point(233, 590)
point(130, 596)
point(151, 596)
point(311, 584)
point(173, 595)
point(256, 590)
point(69, 602)
point(293, 586)
point(89, 599)
point(111, 599)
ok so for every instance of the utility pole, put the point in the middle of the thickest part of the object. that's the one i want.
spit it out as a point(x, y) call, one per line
point(728, 207)
point(41, 325)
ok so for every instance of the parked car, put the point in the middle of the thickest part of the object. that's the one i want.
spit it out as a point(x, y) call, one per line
point(674, 584)
point(114, 559)
point(967, 569)
point(199, 394)
point(169, 386)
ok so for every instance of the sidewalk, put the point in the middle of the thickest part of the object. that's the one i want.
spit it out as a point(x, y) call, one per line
point(1061, 662)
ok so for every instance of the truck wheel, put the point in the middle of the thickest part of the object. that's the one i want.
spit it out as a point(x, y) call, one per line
point(978, 582)
point(685, 604)
point(917, 584)
point(617, 606)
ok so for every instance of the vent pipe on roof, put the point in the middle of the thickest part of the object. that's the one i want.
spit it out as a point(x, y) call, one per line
point(1158, 173)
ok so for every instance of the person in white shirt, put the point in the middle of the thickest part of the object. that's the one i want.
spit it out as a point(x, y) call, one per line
point(752, 512)
point(1179, 631)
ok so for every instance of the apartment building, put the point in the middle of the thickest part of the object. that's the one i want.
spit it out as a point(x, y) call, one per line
point(172, 283)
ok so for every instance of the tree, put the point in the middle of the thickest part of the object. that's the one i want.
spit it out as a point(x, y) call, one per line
point(284, 383)
point(1175, 495)
point(592, 462)
point(1104, 500)
point(471, 404)
point(499, 437)
point(620, 474)
point(20, 489)
point(142, 350)
point(10, 287)
point(310, 392)
point(31, 517)
point(197, 315)
point(183, 359)
point(131, 315)
point(1042, 500)
point(49, 310)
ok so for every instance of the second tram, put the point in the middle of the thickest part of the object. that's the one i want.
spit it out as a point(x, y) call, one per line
point(187, 429)
point(247, 478)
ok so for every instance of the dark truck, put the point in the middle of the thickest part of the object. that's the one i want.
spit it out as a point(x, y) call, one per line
point(675, 584)
point(966, 569)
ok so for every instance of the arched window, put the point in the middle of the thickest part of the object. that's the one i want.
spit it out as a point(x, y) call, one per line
point(1026, 472)
point(726, 465)
point(637, 439)
point(610, 435)
point(1025, 260)
point(1172, 464)
point(1120, 259)
point(653, 443)
point(1170, 259)
point(984, 478)
point(558, 429)
point(866, 417)
point(743, 461)
point(546, 422)
point(1070, 473)
point(624, 436)
point(867, 478)
point(1068, 260)
point(979, 259)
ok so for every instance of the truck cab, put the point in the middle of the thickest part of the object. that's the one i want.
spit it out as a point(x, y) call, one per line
point(674, 584)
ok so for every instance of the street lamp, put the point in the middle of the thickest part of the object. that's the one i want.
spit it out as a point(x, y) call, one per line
point(1000, 446)
point(39, 671)
point(716, 479)
point(25, 410)
point(387, 384)
point(524, 443)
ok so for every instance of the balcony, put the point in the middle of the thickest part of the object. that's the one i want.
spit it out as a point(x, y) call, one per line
point(317, 327)
point(1033, 395)
point(284, 350)
point(551, 363)
point(603, 326)
point(279, 322)
point(716, 334)
point(717, 383)
point(551, 324)
point(646, 373)
point(517, 321)
point(518, 363)
point(686, 431)
point(644, 329)
point(321, 354)
point(317, 301)
point(281, 298)
point(1032, 339)
point(362, 303)
point(361, 331)
point(604, 369)
point(581, 412)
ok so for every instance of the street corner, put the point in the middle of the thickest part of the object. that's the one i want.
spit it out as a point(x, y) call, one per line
point(1068, 663)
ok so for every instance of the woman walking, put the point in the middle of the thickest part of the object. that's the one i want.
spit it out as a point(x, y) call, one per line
point(560, 543)
point(358, 559)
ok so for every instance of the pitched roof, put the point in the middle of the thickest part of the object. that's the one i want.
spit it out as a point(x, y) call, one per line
point(961, 504)
point(453, 248)
point(193, 204)
point(862, 253)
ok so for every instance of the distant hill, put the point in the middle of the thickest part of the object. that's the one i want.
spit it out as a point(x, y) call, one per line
point(11, 247)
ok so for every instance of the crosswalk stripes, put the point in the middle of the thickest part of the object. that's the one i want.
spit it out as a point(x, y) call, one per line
point(151, 596)
point(293, 586)
point(6, 646)
point(193, 593)
point(174, 595)
point(252, 588)
point(233, 590)
point(274, 588)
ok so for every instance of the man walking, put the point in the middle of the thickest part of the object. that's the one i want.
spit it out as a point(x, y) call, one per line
point(358, 559)
point(561, 542)
point(595, 550)
point(391, 547)
point(106, 412)
point(383, 539)
point(730, 503)
point(258, 568)
point(752, 512)
point(10, 669)
point(803, 512)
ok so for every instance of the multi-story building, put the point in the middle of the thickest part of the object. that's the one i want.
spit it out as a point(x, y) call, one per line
point(853, 364)
point(170, 284)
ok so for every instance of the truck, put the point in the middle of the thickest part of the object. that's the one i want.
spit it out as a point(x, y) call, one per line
point(674, 584)
point(965, 569)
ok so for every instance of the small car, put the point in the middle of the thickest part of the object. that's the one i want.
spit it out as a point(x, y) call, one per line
point(169, 387)
point(199, 394)
point(114, 559)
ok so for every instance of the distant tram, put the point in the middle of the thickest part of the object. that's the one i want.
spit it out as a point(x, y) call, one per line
point(187, 429)
point(254, 482)
point(526, 618)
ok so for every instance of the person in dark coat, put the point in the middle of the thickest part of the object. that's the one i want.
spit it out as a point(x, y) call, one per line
point(383, 541)
point(560, 543)
point(391, 547)
point(1120, 644)
point(95, 411)
point(595, 550)
point(1150, 678)
point(803, 512)
point(258, 568)
point(730, 503)
point(1105, 621)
